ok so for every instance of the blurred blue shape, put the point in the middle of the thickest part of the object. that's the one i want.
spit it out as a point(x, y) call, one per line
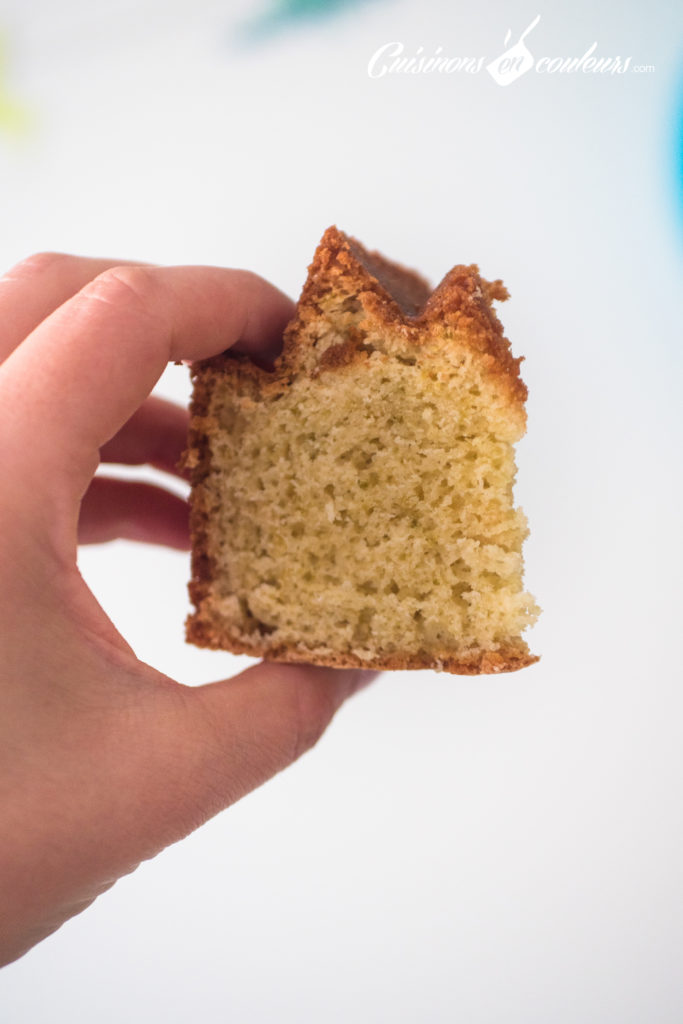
point(678, 142)
point(284, 14)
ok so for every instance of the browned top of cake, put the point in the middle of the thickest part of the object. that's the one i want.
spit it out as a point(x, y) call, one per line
point(343, 263)
point(399, 297)
point(395, 297)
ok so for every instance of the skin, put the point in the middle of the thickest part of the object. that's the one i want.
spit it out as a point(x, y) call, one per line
point(103, 760)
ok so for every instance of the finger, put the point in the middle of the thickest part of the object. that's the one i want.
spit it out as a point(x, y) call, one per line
point(236, 734)
point(164, 761)
point(130, 510)
point(34, 288)
point(85, 369)
point(155, 435)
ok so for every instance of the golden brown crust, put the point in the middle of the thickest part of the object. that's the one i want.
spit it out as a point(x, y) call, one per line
point(393, 296)
point(507, 659)
point(343, 263)
point(463, 300)
point(197, 459)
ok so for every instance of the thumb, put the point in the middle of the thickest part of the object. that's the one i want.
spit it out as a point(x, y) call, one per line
point(235, 734)
point(163, 761)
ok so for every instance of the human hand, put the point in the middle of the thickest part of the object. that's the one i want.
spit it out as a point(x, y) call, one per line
point(103, 760)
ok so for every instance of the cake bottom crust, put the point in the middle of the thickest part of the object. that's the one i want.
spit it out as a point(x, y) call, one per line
point(477, 662)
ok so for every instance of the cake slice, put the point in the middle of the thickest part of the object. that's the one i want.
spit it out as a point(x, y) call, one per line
point(354, 507)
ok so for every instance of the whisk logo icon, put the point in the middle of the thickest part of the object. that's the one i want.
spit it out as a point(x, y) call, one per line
point(516, 60)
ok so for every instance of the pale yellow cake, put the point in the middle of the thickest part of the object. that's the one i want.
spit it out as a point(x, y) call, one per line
point(354, 507)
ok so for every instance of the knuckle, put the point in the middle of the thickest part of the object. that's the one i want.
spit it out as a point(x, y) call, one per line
point(248, 277)
point(37, 263)
point(247, 282)
point(123, 286)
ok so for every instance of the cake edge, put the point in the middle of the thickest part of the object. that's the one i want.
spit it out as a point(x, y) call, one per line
point(507, 659)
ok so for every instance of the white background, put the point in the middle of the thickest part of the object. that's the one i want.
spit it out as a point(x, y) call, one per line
point(501, 849)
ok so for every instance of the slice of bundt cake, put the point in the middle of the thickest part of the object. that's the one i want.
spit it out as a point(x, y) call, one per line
point(354, 507)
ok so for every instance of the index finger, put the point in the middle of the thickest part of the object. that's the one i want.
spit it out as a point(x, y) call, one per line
point(36, 286)
point(84, 370)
